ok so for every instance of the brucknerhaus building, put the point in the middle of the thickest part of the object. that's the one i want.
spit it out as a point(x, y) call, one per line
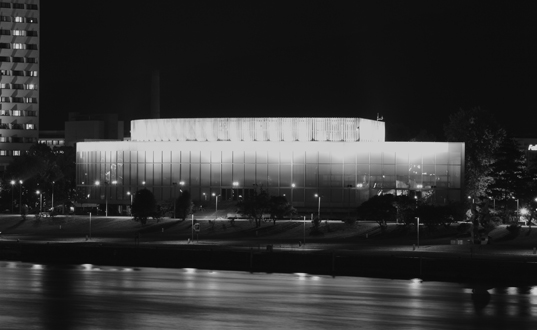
point(338, 162)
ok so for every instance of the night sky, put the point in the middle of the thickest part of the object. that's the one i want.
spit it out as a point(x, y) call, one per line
point(412, 62)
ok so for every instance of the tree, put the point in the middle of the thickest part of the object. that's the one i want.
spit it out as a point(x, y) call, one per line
point(254, 205)
point(509, 171)
point(406, 209)
point(482, 136)
point(378, 208)
point(280, 207)
point(43, 168)
point(183, 205)
point(144, 205)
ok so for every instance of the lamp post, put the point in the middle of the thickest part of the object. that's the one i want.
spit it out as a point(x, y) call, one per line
point(53, 196)
point(418, 230)
point(216, 213)
point(97, 184)
point(174, 199)
point(349, 198)
point(292, 190)
point(20, 197)
point(319, 207)
point(12, 187)
point(204, 196)
point(129, 193)
point(40, 200)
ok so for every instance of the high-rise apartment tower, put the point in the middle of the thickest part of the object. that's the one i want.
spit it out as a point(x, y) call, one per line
point(19, 77)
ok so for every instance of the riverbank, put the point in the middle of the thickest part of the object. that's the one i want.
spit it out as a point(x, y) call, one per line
point(360, 249)
point(457, 266)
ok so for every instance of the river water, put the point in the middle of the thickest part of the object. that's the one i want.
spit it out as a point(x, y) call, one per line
point(91, 297)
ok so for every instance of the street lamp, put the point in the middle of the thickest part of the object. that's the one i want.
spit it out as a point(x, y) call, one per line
point(40, 200)
point(292, 190)
point(129, 193)
point(349, 205)
point(319, 207)
point(215, 195)
point(12, 187)
point(97, 184)
point(53, 196)
point(20, 197)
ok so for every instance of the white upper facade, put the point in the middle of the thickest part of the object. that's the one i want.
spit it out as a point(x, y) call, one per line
point(258, 129)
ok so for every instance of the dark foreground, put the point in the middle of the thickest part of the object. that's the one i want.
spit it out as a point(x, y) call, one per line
point(457, 267)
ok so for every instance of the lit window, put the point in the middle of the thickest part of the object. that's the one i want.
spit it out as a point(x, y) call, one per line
point(19, 19)
point(31, 73)
point(3, 152)
point(4, 139)
point(31, 20)
point(16, 152)
point(19, 32)
point(30, 126)
point(30, 100)
point(4, 113)
point(4, 99)
point(30, 86)
point(4, 86)
point(17, 113)
point(18, 45)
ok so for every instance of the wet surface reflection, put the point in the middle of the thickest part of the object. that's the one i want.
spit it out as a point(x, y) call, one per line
point(93, 297)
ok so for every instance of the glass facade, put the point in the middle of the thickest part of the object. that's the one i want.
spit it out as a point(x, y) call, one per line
point(344, 174)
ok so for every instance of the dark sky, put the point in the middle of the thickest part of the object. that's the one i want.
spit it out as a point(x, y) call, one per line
point(412, 62)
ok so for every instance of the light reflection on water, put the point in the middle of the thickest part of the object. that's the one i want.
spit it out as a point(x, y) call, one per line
point(96, 297)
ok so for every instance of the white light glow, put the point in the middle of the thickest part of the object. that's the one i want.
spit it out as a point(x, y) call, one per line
point(258, 129)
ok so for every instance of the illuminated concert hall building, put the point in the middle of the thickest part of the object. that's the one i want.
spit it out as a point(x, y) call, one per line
point(336, 163)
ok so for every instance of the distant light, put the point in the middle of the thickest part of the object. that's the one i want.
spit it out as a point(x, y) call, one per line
point(359, 185)
point(419, 186)
point(114, 182)
point(97, 183)
point(524, 211)
point(182, 183)
point(293, 185)
point(235, 184)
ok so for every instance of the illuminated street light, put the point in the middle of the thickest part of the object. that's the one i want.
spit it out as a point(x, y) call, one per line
point(53, 195)
point(20, 196)
point(129, 193)
point(318, 207)
point(12, 188)
point(215, 195)
point(292, 190)
point(40, 200)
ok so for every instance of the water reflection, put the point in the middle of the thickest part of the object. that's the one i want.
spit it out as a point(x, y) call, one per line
point(90, 296)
